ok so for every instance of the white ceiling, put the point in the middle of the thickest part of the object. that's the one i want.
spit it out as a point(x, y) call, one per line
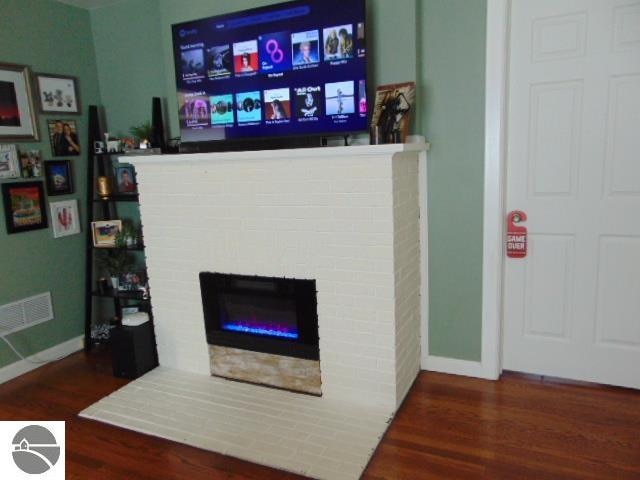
point(89, 4)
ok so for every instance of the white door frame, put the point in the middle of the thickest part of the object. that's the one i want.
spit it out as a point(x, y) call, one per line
point(498, 12)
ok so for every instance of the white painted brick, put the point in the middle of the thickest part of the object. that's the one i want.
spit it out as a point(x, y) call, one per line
point(349, 223)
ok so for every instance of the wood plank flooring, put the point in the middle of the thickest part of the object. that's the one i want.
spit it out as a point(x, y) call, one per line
point(521, 427)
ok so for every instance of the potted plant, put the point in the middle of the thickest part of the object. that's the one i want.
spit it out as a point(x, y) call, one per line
point(128, 235)
point(115, 262)
point(142, 132)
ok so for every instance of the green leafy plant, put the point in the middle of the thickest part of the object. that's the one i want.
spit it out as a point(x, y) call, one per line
point(144, 131)
point(114, 261)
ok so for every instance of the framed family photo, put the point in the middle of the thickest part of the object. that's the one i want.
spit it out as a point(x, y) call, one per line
point(125, 179)
point(105, 232)
point(17, 115)
point(63, 135)
point(57, 93)
point(9, 167)
point(24, 207)
point(31, 163)
point(64, 218)
point(58, 177)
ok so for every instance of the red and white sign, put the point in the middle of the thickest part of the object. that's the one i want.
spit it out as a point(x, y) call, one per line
point(516, 235)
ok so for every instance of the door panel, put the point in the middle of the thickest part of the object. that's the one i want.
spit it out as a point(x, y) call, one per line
point(572, 307)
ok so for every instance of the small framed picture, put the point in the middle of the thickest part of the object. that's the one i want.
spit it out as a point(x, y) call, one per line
point(57, 93)
point(104, 233)
point(132, 281)
point(64, 218)
point(63, 135)
point(58, 176)
point(9, 167)
point(125, 180)
point(18, 119)
point(31, 163)
point(24, 207)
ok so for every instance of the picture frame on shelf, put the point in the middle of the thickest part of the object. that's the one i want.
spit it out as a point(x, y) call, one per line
point(125, 180)
point(31, 163)
point(392, 110)
point(65, 218)
point(132, 281)
point(104, 233)
point(57, 93)
point(18, 121)
point(63, 137)
point(59, 177)
point(9, 166)
point(24, 206)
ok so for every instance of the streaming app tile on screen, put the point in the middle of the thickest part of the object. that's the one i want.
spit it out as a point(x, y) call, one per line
point(245, 57)
point(274, 51)
point(305, 49)
point(248, 107)
point(219, 61)
point(194, 109)
point(222, 109)
point(338, 42)
point(339, 98)
point(192, 63)
point(277, 105)
point(308, 103)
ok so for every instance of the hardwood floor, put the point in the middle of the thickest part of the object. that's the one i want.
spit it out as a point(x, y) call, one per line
point(521, 427)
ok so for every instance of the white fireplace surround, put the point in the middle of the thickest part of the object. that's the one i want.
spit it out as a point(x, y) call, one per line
point(353, 219)
point(347, 217)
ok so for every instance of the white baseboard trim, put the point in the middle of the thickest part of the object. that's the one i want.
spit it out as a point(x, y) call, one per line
point(23, 366)
point(454, 366)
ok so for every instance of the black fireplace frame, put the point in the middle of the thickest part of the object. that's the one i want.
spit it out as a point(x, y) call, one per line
point(303, 292)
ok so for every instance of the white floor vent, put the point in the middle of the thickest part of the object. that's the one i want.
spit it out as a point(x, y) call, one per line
point(25, 313)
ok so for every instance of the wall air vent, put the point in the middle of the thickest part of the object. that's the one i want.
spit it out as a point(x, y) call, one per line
point(25, 313)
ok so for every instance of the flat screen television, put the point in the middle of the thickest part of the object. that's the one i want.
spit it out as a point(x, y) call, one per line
point(294, 69)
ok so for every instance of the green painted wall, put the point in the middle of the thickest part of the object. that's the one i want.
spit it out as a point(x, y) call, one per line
point(452, 46)
point(53, 38)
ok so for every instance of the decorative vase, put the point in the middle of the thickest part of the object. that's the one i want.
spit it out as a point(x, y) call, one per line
point(104, 186)
point(115, 282)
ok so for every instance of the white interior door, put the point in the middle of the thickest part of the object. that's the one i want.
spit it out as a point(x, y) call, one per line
point(572, 307)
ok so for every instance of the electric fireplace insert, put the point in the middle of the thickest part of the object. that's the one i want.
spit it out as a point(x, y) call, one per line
point(261, 314)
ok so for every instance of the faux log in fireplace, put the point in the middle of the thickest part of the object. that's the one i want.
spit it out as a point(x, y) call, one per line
point(261, 314)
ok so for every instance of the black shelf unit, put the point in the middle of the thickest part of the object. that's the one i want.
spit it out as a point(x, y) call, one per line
point(101, 164)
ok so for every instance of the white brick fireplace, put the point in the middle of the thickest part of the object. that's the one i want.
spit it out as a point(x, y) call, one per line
point(347, 217)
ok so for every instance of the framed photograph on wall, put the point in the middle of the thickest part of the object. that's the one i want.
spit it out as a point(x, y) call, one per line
point(9, 167)
point(125, 179)
point(17, 115)
point(31, 163)
point(63, 135)
point(58, 176)
point(57, 93)
point(105, 232)
point(24, 207)
point(64, 218)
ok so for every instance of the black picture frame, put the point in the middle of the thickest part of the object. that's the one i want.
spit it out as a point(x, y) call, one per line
point(125, 177)
point(61, 144)
point(24, 206)
point(59, 177)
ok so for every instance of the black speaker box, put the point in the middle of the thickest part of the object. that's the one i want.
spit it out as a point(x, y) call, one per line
point(133, 350)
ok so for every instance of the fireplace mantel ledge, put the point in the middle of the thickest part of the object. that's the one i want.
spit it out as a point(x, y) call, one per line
point(282, 154)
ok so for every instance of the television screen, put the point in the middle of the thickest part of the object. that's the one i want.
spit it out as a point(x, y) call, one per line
point(295, 68)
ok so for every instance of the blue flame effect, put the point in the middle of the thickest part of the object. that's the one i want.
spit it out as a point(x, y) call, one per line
point(260, 331)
